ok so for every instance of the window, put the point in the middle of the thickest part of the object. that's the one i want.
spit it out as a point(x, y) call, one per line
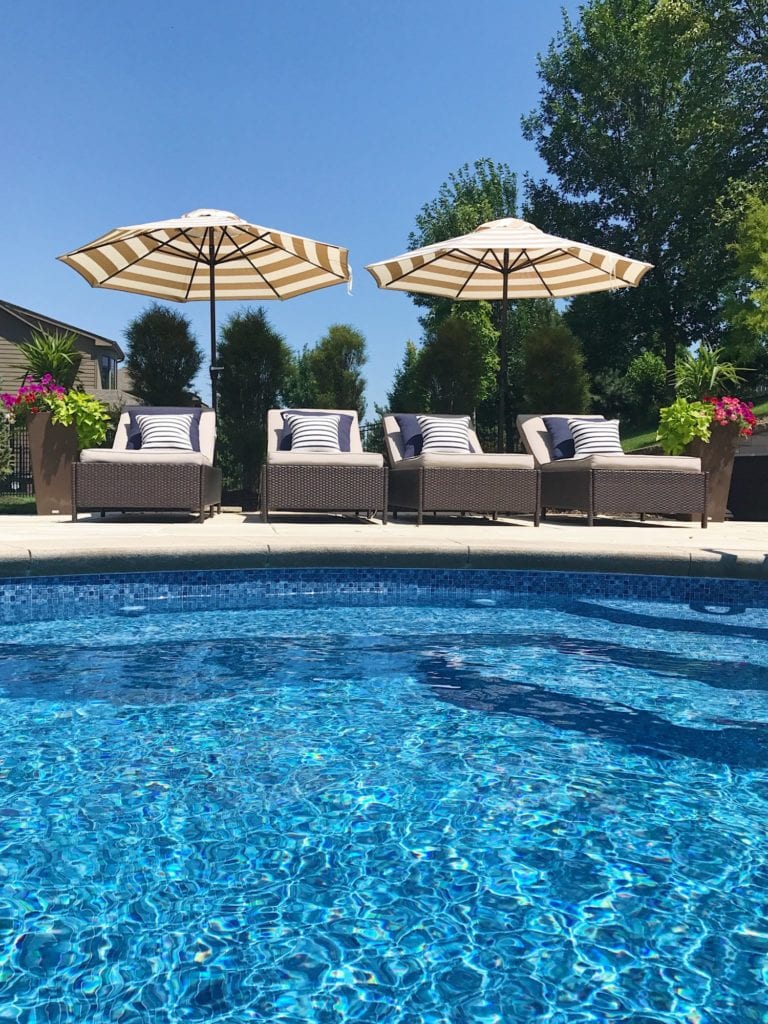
point(108, 368)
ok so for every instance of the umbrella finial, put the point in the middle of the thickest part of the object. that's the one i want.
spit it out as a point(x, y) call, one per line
point(217, 215)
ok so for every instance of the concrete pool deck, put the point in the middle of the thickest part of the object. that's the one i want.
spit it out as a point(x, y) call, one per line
point(53, 545)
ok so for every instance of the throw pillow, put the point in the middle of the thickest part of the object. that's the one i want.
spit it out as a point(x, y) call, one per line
point(445, 434)
point(134, 433)
point(410, 432)
point(560, 437)
point(345, 428)
point(595, 437)
point(312, 433)
point(164, 432)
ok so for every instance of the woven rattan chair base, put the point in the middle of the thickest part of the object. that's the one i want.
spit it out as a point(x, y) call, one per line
point(446, 489)
point(626, 492)
point(328, 488)
point(145, 487)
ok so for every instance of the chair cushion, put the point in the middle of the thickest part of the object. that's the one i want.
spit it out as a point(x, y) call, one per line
point(131, 458)
point(345, 427)
point(642, 463)
point(305, 458)
point(160, 432)
point(445, 433)
point(134, 433)
point(595, 437)
point(560, 437)
point(464, 460)
point(311, 432)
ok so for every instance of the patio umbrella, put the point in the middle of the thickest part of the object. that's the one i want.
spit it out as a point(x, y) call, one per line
point(207, 254)
point(507, 259)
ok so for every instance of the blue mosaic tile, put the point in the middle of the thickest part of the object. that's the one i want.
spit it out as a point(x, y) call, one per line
point(69, 597)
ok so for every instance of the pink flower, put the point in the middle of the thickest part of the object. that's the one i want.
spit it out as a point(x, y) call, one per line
point(733, 410)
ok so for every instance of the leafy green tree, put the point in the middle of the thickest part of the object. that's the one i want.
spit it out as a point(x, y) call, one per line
point(407, 392)
point(455, 368)
point(554, 374)
point(256, 364)
point(163, 357)
point(335, 368)
point(54, 353)
point(300, 388)
point(648, 108)
point(746, 304)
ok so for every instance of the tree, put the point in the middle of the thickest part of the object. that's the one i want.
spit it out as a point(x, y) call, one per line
point(554, 375)
point(746, 304)
point(407, 393)
point(648, 108)
point(163, 357)
point(256, 363)
point(334, 366)
point(472, 195)
point(455, 368)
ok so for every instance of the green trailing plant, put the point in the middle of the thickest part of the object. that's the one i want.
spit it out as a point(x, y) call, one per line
point(681, 422)
point(705, 374)
point(52, 353)
point(89, 416)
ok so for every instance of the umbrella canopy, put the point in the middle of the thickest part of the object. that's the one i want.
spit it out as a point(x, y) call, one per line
point(207, 254)
point(507, 259)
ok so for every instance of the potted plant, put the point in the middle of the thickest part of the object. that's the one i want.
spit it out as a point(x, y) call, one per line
point(59, 424)
point(704, 422)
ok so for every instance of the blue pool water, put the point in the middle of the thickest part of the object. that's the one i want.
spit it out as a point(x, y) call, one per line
point(483, 806)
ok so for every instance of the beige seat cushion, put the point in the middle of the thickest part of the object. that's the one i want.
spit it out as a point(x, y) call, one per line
point(170, 456)
point(673, 463)
point(305, 458)
point(443, 460)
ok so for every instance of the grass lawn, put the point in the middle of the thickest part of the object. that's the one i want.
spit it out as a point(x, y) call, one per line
point(17, 505)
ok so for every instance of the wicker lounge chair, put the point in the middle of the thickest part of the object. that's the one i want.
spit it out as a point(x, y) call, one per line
point(614, 484)
point(124, 478)
point(349, 480)
point(473, 482)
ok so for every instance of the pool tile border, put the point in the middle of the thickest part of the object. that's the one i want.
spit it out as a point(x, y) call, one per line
point(68, 597)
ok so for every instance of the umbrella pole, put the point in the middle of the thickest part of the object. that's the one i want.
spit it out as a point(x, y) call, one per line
point(503, 367)
point(212, 289)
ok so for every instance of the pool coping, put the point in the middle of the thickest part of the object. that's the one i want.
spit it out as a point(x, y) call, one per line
point(52, 545)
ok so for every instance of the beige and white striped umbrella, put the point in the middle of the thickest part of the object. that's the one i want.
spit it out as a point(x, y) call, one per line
point(209, 254)
point(507, 259)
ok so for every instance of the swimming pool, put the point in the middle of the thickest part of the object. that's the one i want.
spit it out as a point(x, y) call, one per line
point(429, 797)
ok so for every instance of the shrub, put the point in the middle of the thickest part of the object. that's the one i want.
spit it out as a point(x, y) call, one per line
point(645, 382)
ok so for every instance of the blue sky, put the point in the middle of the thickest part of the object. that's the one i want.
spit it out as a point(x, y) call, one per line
point(336, 120)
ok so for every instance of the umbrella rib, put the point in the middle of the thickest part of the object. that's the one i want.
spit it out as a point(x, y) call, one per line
point(244, 255)
point(130, 263)
point(304, 259)
point(200, 258)
point(472, 273)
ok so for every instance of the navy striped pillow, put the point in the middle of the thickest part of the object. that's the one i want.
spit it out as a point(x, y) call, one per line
point(595, 437)
point(313, 433)
point(163, 432)
point(445, 434)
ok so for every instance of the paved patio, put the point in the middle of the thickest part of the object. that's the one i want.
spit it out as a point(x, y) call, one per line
point(53, 545)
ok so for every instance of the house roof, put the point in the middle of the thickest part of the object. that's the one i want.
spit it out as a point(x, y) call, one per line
point(35, 320)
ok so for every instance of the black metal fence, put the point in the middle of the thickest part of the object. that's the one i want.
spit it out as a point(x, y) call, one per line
point(20, 480)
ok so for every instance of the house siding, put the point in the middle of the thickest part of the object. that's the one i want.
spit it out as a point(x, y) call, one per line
point(15, 331)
